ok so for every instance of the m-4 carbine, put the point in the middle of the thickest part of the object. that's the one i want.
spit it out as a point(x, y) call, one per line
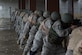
point(77, 22)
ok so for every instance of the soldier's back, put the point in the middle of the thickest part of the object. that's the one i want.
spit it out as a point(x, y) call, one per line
point(75, 37)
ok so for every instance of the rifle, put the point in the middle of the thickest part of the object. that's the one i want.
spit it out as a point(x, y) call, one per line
point(77, 22)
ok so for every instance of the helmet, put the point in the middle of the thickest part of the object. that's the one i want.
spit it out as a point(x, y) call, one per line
point(38, 12)
point(40, 19)
point(55, 16)
point(29, 12)
point(67, 18)
point(46, 14)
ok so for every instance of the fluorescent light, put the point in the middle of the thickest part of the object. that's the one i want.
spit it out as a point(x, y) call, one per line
point(0, 7)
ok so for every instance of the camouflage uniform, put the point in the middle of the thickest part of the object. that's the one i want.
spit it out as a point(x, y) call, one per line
point(75, 37)
point(31, 22)
point(26, 29)
point(40, 34)
point(16, 13)
point(17, 22)
point(53, 43)
point(57, 49)
point(33, 32)
point(78, 48)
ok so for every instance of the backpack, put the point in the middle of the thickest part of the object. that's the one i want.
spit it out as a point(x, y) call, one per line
point(53, 37)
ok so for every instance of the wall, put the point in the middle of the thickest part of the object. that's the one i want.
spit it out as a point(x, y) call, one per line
point(5, 7)
point(27, 4)
point(5, 4)
point(64, 8)
point(80, 5)
point(40, 5)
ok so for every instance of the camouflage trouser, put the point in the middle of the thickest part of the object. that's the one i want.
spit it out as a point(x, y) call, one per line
point(38, 41)
point(16, 27)
point(69, 52)
point(17, 24)
point(22, 42)
point(20, 37)
point(28, 44)
point(23, 34)
point(49, 49)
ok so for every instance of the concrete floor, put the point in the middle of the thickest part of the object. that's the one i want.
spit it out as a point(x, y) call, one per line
point(8, 38)
point(5, 23)
point(8, 45)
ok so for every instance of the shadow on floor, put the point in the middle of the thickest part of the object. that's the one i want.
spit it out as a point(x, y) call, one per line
point(8, 45)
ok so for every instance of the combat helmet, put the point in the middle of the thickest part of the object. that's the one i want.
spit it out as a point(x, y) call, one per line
point(38, 12)
point(55, 16)
point(67, 18)
point(46, 14)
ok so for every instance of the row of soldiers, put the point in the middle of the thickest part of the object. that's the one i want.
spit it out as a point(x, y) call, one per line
point(47, 33)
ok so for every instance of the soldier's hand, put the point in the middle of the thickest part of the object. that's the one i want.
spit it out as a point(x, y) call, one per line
point(73, 27)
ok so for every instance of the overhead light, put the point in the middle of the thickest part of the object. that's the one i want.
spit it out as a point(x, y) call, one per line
point(0, 7)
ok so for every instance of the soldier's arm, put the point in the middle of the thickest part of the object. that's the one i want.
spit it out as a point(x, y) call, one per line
point(30, 39)
point(60, 31)
point(33, 30)
point(26, 28)
point(48, 24)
